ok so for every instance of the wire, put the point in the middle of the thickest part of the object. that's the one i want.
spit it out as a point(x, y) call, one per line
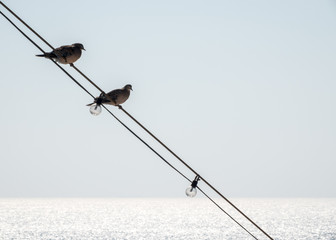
point(225, 212)
point(22, 32)
point(26, 25)
point(120, 108)
point(134, 120)
point(44, 52)
point(45, 41)
point(191, 169)
point(169, 164)
point(178, 172)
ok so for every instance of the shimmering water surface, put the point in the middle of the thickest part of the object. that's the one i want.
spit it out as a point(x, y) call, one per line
point(164, 219)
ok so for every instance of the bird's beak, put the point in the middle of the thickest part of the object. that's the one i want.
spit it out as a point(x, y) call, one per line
point(84, 49)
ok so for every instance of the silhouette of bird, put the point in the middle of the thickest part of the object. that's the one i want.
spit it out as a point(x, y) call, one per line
point(118, 96)
point(67, 54)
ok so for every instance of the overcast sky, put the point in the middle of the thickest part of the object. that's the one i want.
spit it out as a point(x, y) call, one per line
point(243, 91)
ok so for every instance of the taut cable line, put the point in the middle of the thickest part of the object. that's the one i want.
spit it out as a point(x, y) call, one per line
point(145, 143)
point(110, 111)
point(9, 10)
point(191, 169)
point(45, 41)
point(44, 52)
point(90, 81)
point(226, 212)
point(134, 120)
point(169, 164)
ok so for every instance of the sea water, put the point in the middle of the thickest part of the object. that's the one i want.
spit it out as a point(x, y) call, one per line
point(195, 218)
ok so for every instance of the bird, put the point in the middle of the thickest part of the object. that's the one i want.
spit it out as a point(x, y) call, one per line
point(67, 54)
point(118, 96)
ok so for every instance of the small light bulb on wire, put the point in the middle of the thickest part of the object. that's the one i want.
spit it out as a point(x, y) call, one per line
point(191, 191)
point(95, 109)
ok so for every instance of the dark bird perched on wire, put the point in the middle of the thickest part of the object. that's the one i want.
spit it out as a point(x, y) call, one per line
point(67, 54)
point(118, 96)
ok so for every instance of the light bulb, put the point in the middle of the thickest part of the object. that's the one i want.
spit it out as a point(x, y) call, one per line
point(191, 192)
point(95, 109)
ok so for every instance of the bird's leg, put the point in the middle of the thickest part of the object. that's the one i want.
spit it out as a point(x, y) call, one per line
point(119, 106)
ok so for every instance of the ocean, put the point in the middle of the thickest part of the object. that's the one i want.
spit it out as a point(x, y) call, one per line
point(148, 218)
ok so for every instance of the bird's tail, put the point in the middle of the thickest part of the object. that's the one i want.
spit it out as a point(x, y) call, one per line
point(47, 55)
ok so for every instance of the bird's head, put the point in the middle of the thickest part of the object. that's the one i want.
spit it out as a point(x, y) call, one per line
point(128, 87)
point(79, 45)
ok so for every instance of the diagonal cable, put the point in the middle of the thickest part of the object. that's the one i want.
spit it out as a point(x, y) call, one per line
point(147, 130)
point(128, 127)
point(191, 169)
point(129, 116)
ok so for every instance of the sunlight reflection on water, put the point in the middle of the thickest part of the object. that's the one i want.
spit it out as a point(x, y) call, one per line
point(164, 219)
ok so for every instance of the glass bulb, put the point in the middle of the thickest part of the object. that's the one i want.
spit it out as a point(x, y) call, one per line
point(95, 109)
point(191, 192)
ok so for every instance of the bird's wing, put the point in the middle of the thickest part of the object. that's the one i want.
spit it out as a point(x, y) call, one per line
point(64, 46)
point(64, 51)
point(114, 94)
point(68, 52)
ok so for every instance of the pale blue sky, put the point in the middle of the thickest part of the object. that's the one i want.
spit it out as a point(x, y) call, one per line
point(243, 91)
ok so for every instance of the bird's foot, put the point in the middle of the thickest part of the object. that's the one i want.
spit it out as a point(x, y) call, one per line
point(72, 65)
point(119, 106)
